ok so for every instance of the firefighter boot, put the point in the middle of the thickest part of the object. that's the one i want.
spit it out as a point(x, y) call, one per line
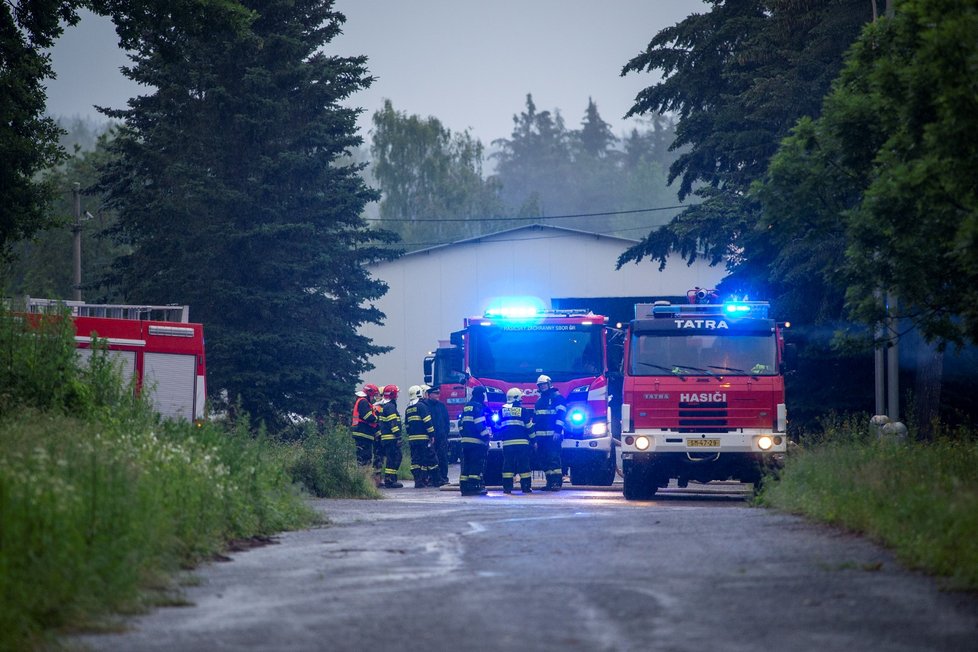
point(420, 479)
point(391, 482)
point(507, 485)
point(526, 484)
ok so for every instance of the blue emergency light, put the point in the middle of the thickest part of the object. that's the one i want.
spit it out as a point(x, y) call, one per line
point(577, 416)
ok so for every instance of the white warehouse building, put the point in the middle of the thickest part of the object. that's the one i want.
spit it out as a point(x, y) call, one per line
point(432, 290)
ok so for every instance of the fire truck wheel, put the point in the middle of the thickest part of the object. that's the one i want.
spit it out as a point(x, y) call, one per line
point(580, 474)
point(640, 483)
point(603, 474)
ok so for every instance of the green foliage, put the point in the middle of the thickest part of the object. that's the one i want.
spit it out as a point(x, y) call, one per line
point(326, 464)
point(233, 190)
point(428, 173)
point(739, 76)
point(99, 498)
point(42, 265)
point(920, 499)
point(28, 139)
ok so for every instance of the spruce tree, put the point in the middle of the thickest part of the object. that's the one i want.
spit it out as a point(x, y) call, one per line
point(232, 190)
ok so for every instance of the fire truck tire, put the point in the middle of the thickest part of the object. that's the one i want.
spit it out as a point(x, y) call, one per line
point(603, 474)
point(640, 483)
point(580, 474)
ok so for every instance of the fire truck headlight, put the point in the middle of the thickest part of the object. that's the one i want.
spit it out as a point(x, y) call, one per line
point(764, 442)
point(642, 443)
point(599, 428)
point(577, 417)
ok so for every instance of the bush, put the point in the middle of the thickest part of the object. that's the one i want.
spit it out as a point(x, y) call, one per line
point(325, 463)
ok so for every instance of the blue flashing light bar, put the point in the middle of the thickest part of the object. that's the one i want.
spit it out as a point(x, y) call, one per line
point(512, 312)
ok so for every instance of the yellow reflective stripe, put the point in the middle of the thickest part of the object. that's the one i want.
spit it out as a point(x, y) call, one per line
point(417, 437)
point(363, 436)
point(510, 442)
point(471, 440)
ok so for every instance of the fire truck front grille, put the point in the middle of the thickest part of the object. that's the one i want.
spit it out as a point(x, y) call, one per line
point(703, 417)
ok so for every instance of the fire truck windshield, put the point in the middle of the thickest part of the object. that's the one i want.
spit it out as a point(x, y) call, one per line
point(521, 353)
point(683, 354)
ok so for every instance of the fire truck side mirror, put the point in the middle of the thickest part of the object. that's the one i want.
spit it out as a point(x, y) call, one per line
point(790, 362)
point(456, 338)
point(429, 366)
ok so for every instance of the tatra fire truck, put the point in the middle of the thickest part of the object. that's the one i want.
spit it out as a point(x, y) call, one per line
point(703, 394)
point(156, 346)
point(511, 347)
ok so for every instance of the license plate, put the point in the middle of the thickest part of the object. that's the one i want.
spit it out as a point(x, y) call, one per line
point(457, 401)
point(703, 443)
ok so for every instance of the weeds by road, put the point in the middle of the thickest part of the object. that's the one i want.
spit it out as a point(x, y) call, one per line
point(918, 498)
point(101, 499)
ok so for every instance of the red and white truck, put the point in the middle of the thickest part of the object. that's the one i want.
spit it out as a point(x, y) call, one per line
point(155, 345)
point(703, 394)
point(512, 346)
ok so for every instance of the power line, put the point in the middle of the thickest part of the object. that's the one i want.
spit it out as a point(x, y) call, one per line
point(536, 217)
point(398, 245)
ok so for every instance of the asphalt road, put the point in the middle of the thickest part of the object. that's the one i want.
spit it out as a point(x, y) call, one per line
point(582, 570)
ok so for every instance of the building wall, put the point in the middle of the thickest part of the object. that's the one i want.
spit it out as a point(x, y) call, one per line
point(432, 291)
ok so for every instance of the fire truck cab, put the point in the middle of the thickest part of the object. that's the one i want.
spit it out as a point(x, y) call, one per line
point(703, 394)
point(511, 347)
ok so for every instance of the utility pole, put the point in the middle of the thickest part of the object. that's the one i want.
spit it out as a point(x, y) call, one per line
point(77, 230)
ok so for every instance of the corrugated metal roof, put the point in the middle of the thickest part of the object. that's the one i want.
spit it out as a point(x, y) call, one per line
point(557, 232)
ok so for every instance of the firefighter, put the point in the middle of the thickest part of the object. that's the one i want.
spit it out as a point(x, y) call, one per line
point(442, 423)
point(548, 425)
point(516, 432)
point(390, 436)
point(473, 425)
point(421, 439)
point(365, 424)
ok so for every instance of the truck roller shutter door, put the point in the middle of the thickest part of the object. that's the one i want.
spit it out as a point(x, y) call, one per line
point(171, 379)
point(125, 361)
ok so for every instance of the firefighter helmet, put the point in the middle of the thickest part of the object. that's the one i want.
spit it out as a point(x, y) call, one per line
point(424, 390)
point(513, 394)
point(544, 379)
point(414, 392)
point(390, 391)
point(371, 390)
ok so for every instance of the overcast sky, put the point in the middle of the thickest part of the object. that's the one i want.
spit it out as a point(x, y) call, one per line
point(470, 63)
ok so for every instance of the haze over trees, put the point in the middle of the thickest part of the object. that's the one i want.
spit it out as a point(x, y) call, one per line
point(434, 187)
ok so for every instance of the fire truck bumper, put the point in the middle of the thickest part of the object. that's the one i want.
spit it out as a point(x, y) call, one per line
point(704, 444)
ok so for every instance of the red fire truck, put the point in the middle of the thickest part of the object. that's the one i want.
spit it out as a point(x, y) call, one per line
point(703, 393)
point(155, 345)
point(512, 346)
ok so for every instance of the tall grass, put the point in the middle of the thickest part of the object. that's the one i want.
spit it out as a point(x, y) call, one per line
point(324, 461)
point(918, 498)
point(100, 498)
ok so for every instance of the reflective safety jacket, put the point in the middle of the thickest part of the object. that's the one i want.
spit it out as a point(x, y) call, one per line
point(549, 413)
point(390, 422)
point(515, 425)
point(473, 423)
point(417, 420)
point(365, 422)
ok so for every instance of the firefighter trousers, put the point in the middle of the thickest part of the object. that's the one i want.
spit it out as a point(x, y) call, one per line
point(392, 459)
point(424, 464)
point(365, 450)
point(548, 458)
point(516, 461)
point(470, 480)
point(441, 453)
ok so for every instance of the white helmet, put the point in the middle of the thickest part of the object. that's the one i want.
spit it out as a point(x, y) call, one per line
point(513, 394)
point(414, 392)
point(544, 378)
point(424, 390)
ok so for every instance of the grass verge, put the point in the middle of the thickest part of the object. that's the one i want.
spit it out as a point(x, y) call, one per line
point(919, 499)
